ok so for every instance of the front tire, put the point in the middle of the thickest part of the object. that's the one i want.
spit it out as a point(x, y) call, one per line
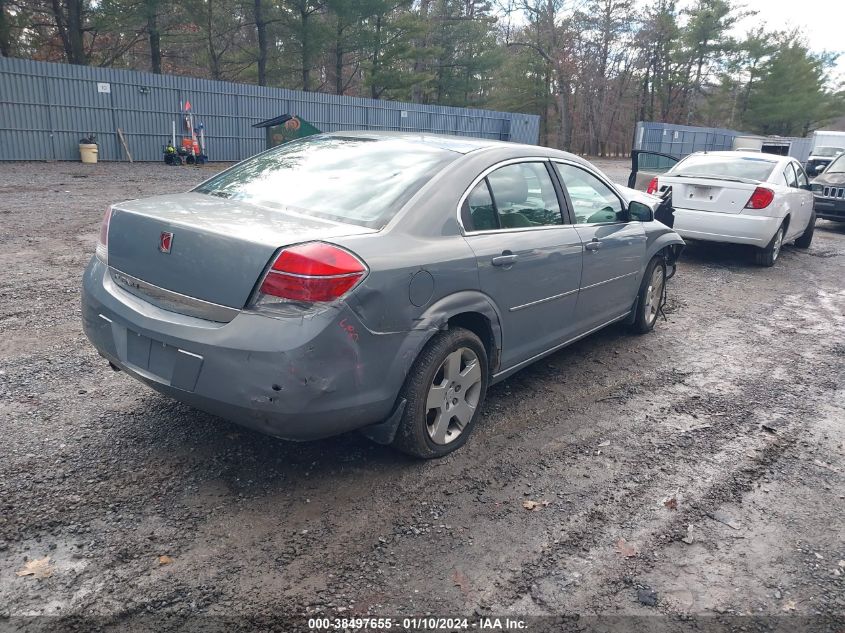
point(650, 296)
point(768, 255)
point(444, 391)
point(807, 236)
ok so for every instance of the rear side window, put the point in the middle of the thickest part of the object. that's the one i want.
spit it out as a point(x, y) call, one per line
point(512, 197)
point(357, 180)
point(710, 166)
point(479, 214)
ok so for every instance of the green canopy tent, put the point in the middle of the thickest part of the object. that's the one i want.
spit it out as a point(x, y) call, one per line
point(286, 127)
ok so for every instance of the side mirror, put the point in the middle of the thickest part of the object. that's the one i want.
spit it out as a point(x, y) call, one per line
point(819, 169)
point(640, 212)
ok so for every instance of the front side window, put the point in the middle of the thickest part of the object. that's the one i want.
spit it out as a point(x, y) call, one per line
point(352, 179)
point(655, 163)
point(513, 197)
point(593, 202)
point(789, 174)
point(802, 175)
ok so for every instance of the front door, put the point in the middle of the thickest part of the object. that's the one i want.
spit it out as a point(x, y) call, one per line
point(614, 247)
point(529, 261)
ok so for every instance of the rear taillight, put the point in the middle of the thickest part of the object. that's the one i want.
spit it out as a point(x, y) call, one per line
point(652, 186)
point(310, 273)
point(760, 199)
point(102, 250)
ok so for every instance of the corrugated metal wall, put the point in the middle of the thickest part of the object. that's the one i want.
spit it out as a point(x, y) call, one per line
point(800, 147)
point(680, 140)
point(46, 108)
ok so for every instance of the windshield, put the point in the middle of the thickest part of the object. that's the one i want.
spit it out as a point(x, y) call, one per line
point(710, 166)
point(827, 151)
point(837, 166)
point(357, 180)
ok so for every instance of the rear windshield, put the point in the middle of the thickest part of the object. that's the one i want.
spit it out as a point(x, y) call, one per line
point(362, 181)
point(826, 151)
point(709, 166)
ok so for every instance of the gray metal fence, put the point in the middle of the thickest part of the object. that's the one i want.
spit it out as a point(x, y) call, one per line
point(45, 108)
point(680, 140)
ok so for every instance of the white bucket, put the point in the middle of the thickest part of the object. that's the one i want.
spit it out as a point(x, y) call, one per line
point(88, 152)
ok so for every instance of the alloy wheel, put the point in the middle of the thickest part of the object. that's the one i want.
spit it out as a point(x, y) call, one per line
point(453, 396)
point(654, 294)
point(777, 244)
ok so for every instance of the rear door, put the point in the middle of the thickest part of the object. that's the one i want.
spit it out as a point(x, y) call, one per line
point(648, 165)
point(529, 259)
point(614, 248)
point(801, 201)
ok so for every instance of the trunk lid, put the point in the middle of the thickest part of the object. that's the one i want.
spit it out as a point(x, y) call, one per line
point(219, 247)
point(709, 194)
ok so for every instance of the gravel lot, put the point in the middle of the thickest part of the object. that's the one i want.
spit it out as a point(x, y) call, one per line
point(697, 470)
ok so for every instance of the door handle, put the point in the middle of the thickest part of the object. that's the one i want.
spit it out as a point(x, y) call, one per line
point(592, 245)
point(505, 259)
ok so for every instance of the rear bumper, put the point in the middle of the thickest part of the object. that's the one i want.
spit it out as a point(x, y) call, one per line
point(829, 209)
point(294, 378)
point(732, 228)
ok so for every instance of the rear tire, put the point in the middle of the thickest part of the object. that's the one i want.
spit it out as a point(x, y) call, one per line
point(444, 391)
point(650, 296)
point(768, 255)
point(807, 236)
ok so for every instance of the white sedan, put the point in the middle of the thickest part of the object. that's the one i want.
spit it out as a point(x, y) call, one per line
point(758, 199)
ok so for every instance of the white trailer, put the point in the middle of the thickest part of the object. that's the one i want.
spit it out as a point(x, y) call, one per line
point(827, 145)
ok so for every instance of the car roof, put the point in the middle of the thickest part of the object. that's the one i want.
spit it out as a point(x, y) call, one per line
point(459, 144)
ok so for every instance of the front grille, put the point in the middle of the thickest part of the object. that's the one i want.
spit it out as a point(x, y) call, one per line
point(837, 193)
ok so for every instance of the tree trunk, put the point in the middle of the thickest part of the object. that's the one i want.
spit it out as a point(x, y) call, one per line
point(563, 107)
point(68, 17)
point(154, 36)
point(419, 62)
point(338, 57)
point(306, 62)
point(5, 32)
point(261, 31)
point(374, 93)
point(75, 34)
point(213, 55)
point(696, 85)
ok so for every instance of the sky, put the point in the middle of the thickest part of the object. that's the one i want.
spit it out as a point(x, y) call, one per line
point(822, 21)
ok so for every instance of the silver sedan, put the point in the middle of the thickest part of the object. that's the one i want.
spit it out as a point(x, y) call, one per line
point(378, 282)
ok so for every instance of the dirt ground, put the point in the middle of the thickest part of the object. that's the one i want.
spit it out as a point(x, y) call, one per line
point(696, 471)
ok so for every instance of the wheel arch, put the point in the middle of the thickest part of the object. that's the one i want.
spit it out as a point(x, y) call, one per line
point(668, 245)
point(472, 310)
